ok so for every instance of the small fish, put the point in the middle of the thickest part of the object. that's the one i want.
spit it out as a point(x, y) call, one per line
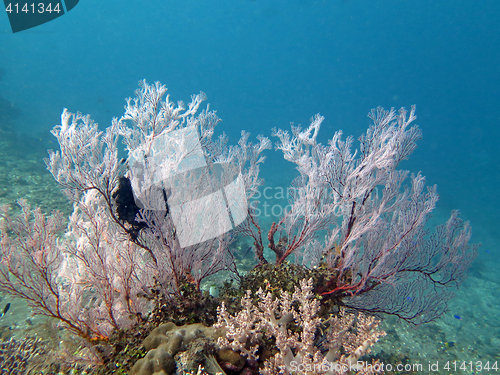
point(449, 344)
point(457, 317)
point(5, 309)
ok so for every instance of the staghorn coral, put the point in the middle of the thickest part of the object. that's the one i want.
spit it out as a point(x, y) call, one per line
point(293, 322)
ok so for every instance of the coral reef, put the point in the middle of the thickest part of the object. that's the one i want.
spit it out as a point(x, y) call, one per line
point(147, 230)
point(293, 323)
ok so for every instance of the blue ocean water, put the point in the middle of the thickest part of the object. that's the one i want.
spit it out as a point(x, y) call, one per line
point(266, 63)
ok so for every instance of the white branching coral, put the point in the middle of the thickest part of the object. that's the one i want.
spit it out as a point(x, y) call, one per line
point(305, 350)
point(242, 330)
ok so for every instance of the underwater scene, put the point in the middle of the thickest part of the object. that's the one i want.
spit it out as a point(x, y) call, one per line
point(250, 187)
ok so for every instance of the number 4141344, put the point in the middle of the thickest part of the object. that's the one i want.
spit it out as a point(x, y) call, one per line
point(33, 8)
point(471, 366)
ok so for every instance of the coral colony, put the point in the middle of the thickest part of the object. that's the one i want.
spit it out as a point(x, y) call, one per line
point(147, 230)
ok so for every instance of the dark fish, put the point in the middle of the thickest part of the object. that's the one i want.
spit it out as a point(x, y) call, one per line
point(449, 344)
point(5, 309)
point(457, 317)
